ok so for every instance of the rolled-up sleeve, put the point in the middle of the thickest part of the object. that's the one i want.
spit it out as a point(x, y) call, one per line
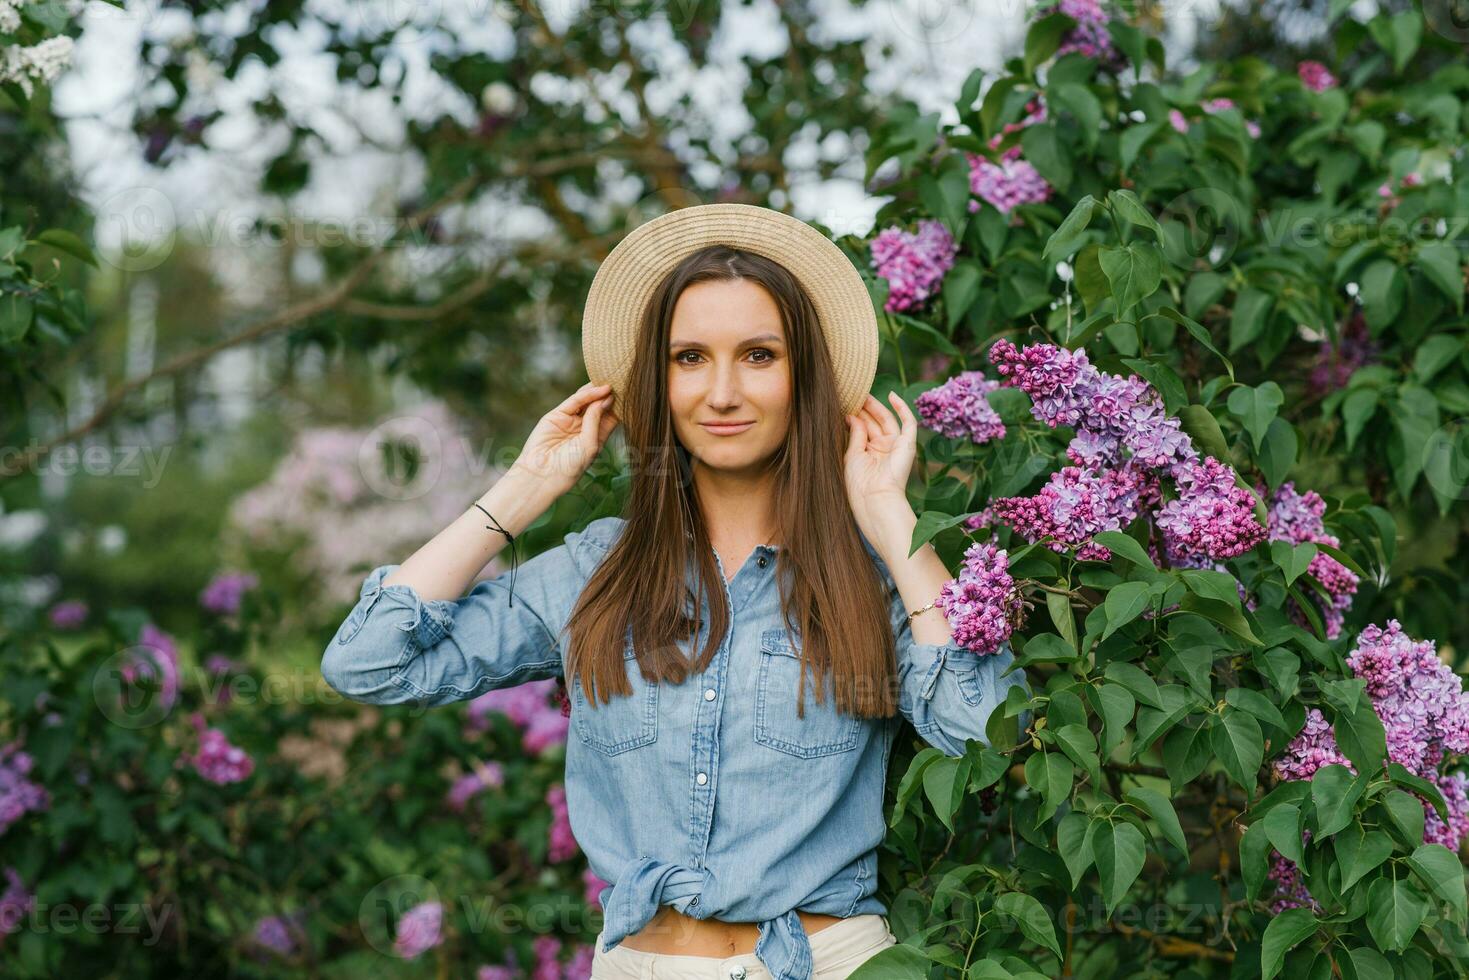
point(947, 692)
point(396, 646)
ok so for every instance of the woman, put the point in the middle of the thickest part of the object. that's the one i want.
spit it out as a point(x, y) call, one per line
point(738, 646)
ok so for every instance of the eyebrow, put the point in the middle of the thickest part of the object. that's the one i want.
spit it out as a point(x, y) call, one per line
point(761, 339)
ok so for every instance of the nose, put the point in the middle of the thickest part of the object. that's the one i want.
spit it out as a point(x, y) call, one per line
point(724, 388)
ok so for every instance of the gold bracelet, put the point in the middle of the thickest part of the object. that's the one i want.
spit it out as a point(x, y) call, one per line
point(925, 609)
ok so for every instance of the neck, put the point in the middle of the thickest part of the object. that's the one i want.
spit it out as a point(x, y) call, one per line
point(737, 506)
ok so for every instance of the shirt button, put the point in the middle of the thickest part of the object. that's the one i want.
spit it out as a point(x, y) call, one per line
point(762, 561)
point(701, 778)
point(709, 694)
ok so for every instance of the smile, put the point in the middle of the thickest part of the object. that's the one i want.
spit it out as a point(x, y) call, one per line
point(726, 428)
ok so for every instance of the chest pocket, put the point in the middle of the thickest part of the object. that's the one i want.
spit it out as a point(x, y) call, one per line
point(822, 731)
point(624, 723)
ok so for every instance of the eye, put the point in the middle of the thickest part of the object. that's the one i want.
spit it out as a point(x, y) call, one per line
point(678, 358)
point(764, 350)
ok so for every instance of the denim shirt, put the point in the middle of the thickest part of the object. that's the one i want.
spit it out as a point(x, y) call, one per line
point(712, 795)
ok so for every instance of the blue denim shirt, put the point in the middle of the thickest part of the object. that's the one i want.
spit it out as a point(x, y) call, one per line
point(712, 795)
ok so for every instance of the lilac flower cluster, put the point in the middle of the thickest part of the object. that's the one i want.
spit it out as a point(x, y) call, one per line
point(1336, 363)
point(1124, 443)
point(592, 887)
point(155, 658)
point(485, 776)
point(982, 605)
point(419, 930)
point(548, 965)
point(1425, 714)
point(18, 794)
point(68, 615)
point(225, 591)
point(15, 902)
point(216, 759)
point(1296, 518)
point(1089, 37)
point(1006, 184)
point(282, 935)
point(958, 408)
point(563, 843)
point(913, 264)
point(1315, 76)
point(541, 723)
point(1180, 122)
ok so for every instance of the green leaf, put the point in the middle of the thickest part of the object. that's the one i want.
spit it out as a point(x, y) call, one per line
point(1032, 918)
point(1133, 271)
point(1132, 141)
point(1125, 546)
point(1123, 604)
point(1293, 560)
point(1044, 150)
point(1160, 808)
point(1127, 205)
point(1225, 614)
point(1364, 962)
point(1074, 844)
point(1118, 851)
point(1382, 288)
point(1442, 872)
point(1278, 453)
point(1282, 826)
point(1132, 677)
point(1359, 851)
point(1335, 792)
point(1240, 746)
point(1361, 738)
point(938, 786)
point(1282, 934)
point(961, 289)
point(1044, 38)
point(1251, 307)
point(1357, 410)
point(65, 241)
point(1256, 407)
point(1219, 586)
point(1063, 239)
point(1435, 354)
point(1395, 910)
point(1256, 704)
point(1204, 430)
point(1440, 263)
point(1254, 858)
point(1197, 330)
point(930, 524)
point(1405, 815)
point(1050, 774)
point(1117, 707)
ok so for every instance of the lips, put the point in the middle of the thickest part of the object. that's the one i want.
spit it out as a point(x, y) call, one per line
point(726, 428)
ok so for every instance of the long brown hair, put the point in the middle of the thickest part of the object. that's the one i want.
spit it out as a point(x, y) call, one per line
point(826, 577)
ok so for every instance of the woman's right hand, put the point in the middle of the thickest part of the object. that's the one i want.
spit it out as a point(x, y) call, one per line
point(567, 438)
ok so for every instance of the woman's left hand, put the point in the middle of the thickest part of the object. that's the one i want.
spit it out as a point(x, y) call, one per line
point(880, 455)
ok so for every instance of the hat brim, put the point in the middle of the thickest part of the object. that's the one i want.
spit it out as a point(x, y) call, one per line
point(627, 278)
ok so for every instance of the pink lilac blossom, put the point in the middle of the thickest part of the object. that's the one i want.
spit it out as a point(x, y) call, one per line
point(1180, 122)
point(1075, 505)
point(68, 615)
point(15, 902)
point(547, 950)
point(959, 409)
point(982, 605)
point(1291, 891)
point(1385, 190)
point(592, 887)
point(1035, 111)
point(913, 264)
point(541, 723)
point(484, 776)
point(1212, 517)
point(155, 658)
point(1005, 185)
point(216, 759)
point(579, 966)
point(226, 591)
point(496, 973)
point(1315, 76)
point(562, 842)
point(19, 795)
point(1089, 37)
point(1296, 518)
point(1336, 363)
point(1424, 712)
point(419, 930)
point(280, 934)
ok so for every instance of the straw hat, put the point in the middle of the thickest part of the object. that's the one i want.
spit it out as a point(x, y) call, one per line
point(627, 278)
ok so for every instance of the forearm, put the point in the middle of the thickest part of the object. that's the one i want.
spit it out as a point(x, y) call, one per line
point(919, 577)
point(447, 564)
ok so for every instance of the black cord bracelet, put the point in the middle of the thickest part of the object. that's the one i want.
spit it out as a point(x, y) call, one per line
point(494, 525)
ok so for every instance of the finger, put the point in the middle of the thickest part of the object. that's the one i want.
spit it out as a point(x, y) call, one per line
point(591, 425)
point(905, 414)
point(886, 421)
point(579, 398)
point(858, 441)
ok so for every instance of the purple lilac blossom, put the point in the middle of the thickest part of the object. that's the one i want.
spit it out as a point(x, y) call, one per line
point(913, 264)
point(1212, 517)
point(15, 902)
point(1315, 76)
point(541, 723)
point(484, 776)
point(1089, 37)
point(1425, 715)
point(419, 930)
point(982, 605)
point(592, 887)
point(1005, 185)
point(155, 658)
point(18, 794)
point(68, 615)
point(1296, 518)
point(225, 592)
point(1077, 504)
point(279, 933)
point(959, 409)
point(496, 973)
point(217, 760)
point(1336, 363)
point(562, 842)
point(547, 950)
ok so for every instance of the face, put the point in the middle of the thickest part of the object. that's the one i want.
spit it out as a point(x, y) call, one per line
point(728, 362)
